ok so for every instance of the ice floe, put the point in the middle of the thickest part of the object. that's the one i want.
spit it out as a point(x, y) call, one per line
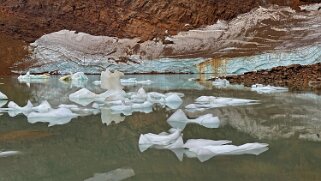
point(43, 107)
point(2, 103)
point(14, 109)
point(180, 120)
point(134, 81)
point(114, 175)
point(205, 152)
point(163, 139)
point(128, 108)
point(111, 81)
point(85, 96)
point(3, 96)
point(208, 102)
point(8, 153)
point(78, 76)
point(221, 83)
point(29, 76)
point(261, 89)
point(58, 116)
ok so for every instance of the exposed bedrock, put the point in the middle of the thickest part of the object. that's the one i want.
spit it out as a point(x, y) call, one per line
point(146, 19)
point(260, 39)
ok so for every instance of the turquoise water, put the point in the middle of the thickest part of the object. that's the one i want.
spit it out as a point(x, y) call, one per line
point(289, 122)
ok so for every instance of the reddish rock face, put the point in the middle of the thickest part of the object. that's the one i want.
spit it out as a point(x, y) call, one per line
point(147, 19)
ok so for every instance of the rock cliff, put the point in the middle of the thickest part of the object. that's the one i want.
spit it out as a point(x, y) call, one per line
point(146, 19)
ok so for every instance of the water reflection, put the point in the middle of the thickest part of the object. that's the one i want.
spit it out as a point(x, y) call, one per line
point(286, 121)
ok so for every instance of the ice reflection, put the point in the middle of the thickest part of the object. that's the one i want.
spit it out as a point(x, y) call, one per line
point(8, 153)
point(107, 117)
point(114, 175)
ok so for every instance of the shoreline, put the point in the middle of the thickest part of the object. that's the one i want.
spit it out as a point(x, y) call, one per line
point(295, 77)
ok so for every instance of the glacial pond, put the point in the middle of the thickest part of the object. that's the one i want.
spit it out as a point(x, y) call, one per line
point(290, 122)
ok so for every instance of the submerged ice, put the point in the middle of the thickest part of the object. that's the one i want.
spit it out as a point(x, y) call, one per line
point(208, 102)
point(261, 89)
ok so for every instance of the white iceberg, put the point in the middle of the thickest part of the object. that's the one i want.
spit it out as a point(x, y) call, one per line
point(208, 102)
point(198, 143)
point(85, 96)
point(14, 109)
point(28, 76)
point(134, 81)
point(172, 100)
point(58, 116)
point(97, 82)
point(139, 97)
point(2, 103)
point(8, 153)
point(43, 107)
point(128, 108)
point(3, 96)
point(221, 83)
point(261, 89)
point(180, 120)
point(78, 79)
point(111, 81)
point(163, 139)
point(204, 153)
point(173, 142)
point(114, 175)
point(78, 76)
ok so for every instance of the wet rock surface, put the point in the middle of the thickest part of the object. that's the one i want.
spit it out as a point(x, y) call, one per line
point(28, 20)
point(297, 77)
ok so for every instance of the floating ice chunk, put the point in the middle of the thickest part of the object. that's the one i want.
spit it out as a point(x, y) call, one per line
point(8, 153)
point(221, 83)
point(173, 101)
point(261, 89)
point(85, 111)
point(208, 102)
point(78, 79)
point(58, 116)
point(3, 96)
point(177, 93)
point(207, 152)
point(180, 120)
point(176, 147)
point(2, 103)
point(68, 106)
point(14, 109)
point(155, 97)
point(107, 117)
point(28, 76)
point(133, 81)
point(197, 143)
point(146, 104)
point(97, 82)
point(43, 107)
point(114, 175)
point(111, 81)
point(163, 139)
point(85, 96)
point(140, 97)
point(128, 108)
point(80, 76)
